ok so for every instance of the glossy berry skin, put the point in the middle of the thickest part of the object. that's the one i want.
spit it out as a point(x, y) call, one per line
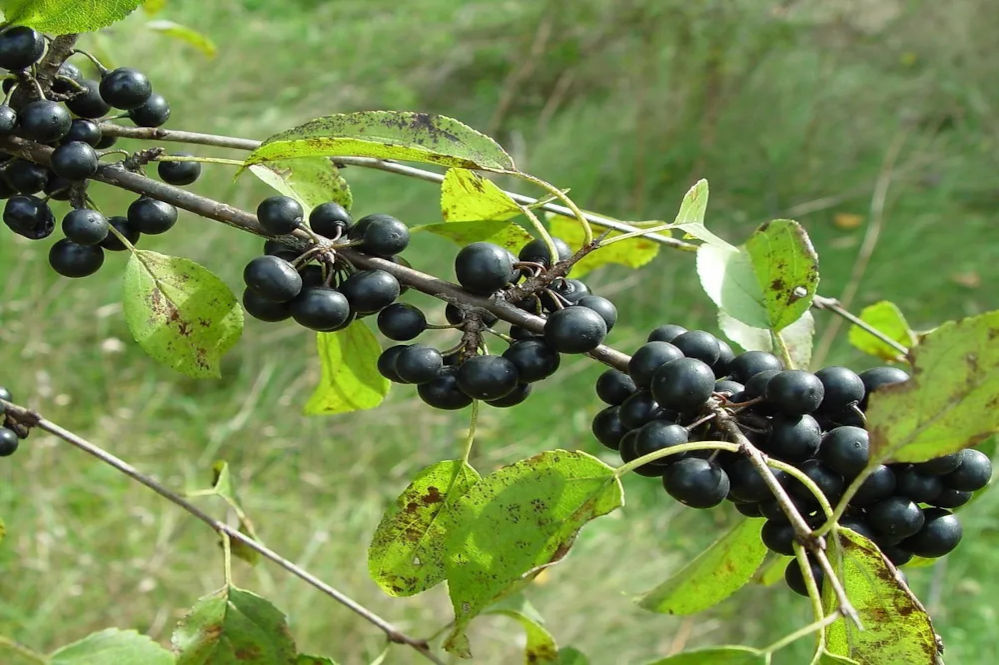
point(455, 315)
point(895, 518)
point(386, 363)
point(696, 482)
point(949, 498)
point(648, 358)
point(638, 409)
point(370, 290)
point(151, 216)
point(575, 329)
point(796, 581)
point(418, 363)
point(795, 392)
point(756, 386)
point(484, 268)
point(920, 487)
point(320, 308)
point(879, 485)
point(607, 427)
point(85, 226)
point(746, 482)
point(747, 365)
point(312, 275)
point(845, 450)
point(280, 214)
point(383, 235)
point(512, 398)
point(658, 435)
point(26, 177)
point(20, 47)
point(401, 322)
point(75, 160)
point(125, 88)
point(28, 216)
point(330, 220)
point(601, 306)
point(264, 309)
point(876, 377)
point(629, 453)
point(793, 438)
point(57, 188)
point(153, 113)
point(44, 121)
point(828, 481)
point(778, 536)
point(8, 120)
point(537, 251)
point(273, 278)
point(972, 474)
point(88, 103)
point(84, 130)
point(5, 394)
point(939, 466)
point(683, 385)
point(841, 387)
point(487, 377)
point(940, 534)
point(178, 173)
point(728, 387)
point(73, 260)
point(124, 227)
point(725, 356)
point(533, 358)
point(698, 344)
point(571, 291)
point(614, 386)
point(8, 442)
point(443, 392)
point(666, 333)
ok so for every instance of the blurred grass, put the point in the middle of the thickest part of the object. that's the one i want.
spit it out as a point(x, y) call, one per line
point(789, 109)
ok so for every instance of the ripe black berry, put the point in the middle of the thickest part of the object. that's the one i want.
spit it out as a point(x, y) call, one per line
point(828, 481)
point(44, 121)
point(728, 387)
point(320, 308)
point(648, 358)
point(370, 290)
point(443, 391)
point(575, 329)
point(455, 315)
point(280, 214)
point(537, 251)
point(263, 308)
point(533, 358)
point(8, 442)
point(607, 427)
point(842, 387)
point(88, 103)
point(793, 438)
point(401, 322)
point(747, 365)
point(383, 235)
point(273, 278)
point(566, 291)
point(487, 377)
point(85, 226)
point(84, 130)
point(778, 536)
point(20, 47)
point(28, 216)
point(153, 113)
point(973, 474)
point(483, 268)
point(939, 466)
point(386, 363)
point(696, 482)
point(796, 581)
point(659, 435)
point(666, 333)
point(418, 363)
point(512, 398)
point(684, 384)
point(330, 220)
point(941, 532)
point(638, 409)
point(26, 177)
point(876, 377)
point(178, 173)
point(795, 391)
point(8, 120)
point(614, 386)
point(125, 88)
point(845, 450)
point(125, 228)
point(880, 484)
point(74, 260)
point(895, 518)
point(151, 216)
point(698, 344)
point(746, 482)
point(756, 386)
point(920, 487)
point(75, 160)
point(601, 306)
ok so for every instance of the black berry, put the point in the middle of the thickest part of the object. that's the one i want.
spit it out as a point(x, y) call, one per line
point(575, 329)
point(8, 442)
point(696, 482)
point(75, 160)
point(747, 365)
point(443, 392)
point(845, 450)
point(537, 251)
point(533, 358)
point(88, 103)
point(401, 322)
point(795, 391)
point(125, 88)
point(153, 113)
point(383, 235)
point(84, 130)
point(940, 533)
point(273, 278)
point(28, 216)
point(71, 259)
point(895, 518)
point(44, 121)
point(648, 358)
point(487, 377)
point(178, 173)
point(666, 333)
point(330, 220)
point(151, 216)
point(971, 475)
point(607, 427)
point(483, 268)
point(20, 47)
point(320, 308)
point(876, 377)
point(263, 308)
point(418, 363)
point(85, 226)
point(684, 384)
point(280, 214)
point(614, 386)
point(125, 228)
point(601, 306)
point(370, 290)
point(841, 387)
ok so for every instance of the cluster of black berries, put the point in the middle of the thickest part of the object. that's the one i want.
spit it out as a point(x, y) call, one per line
point(577, 321)
point(316, 286)
point(10, 434)
point(812, 421)
point(69, 123)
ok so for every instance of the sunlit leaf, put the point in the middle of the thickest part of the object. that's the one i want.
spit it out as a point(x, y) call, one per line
point(468, 197)
point(634, 252)
point(504, 234)
point(349, 378)
point(113, 647)
point(888, 319)
point(310, 180)
point(65, 16)
point(716, 656)
point(798, 337)
point(186, 34)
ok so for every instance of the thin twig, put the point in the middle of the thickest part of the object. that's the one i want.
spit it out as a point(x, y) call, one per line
point(34, 419)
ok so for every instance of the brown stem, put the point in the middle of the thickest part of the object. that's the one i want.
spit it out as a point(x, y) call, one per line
point(59, 49)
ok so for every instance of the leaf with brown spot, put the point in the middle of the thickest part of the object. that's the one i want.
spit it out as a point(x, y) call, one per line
point(505, 234)
point(180, 313)
point(540, 647)
point(467, 197)
point(897, 628)
point(233, 627)
point(408, 550)
point(952, 400)
point(309, 180)
point(497, 542)
point(714, 575)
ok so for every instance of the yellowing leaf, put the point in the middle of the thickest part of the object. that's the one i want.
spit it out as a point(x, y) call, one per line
point(634, 252)
point(504, 234)
point(887, 318)
point(309, 180)
point(350, 380)
point(466, 197)
point(185, 34)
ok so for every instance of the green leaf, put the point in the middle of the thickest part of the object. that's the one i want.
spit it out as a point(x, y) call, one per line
point(408, 550)
point(64, 16)
point(896, 627)
point(826, 658)
point(223, 487)
point(467, 197)
point(716, 656)
point(180, 313)
point(952, 400)
point(540, 647)
point(3, 530)
point(402, 135)
point(634, 252)
point(771, 571)
point(185, 34)
point(233, 627)
point(571, 656)
point(886, 317)
point(517, 521)
point(690, 218)
point(152, 7)
point(310, 180)
point(313, 660)
point(716, 573)
point(797, 336)
point(350, 380)
point(504, 234)
point(113, 647)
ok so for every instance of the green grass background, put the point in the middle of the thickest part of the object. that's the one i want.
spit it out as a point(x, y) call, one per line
point(790, 109)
